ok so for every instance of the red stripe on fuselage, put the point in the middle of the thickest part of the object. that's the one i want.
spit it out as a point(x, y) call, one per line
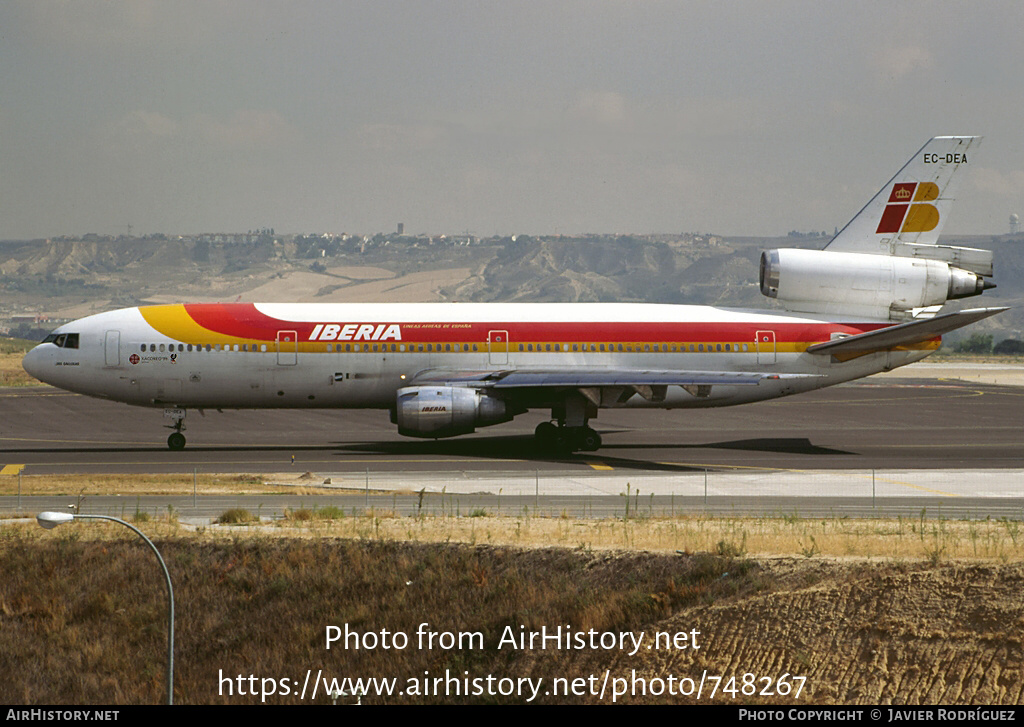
point(243, 320)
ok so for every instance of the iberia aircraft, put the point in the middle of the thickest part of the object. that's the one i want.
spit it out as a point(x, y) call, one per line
point(867, 303)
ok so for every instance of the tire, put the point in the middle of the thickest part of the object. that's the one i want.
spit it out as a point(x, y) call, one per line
point(589, 440)
point(176, 442)
point(545, 432)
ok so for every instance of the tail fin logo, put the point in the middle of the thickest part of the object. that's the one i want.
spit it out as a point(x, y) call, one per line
point(902, 216)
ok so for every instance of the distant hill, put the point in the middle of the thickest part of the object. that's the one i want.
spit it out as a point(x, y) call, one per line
point(75, 277)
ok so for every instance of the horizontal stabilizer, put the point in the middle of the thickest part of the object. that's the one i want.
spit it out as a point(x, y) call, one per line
point(904, 334)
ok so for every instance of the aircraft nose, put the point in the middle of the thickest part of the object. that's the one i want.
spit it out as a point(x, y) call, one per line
point(33, 363)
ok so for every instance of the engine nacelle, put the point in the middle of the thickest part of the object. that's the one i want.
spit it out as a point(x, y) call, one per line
point(819, 281)
point(446, 411)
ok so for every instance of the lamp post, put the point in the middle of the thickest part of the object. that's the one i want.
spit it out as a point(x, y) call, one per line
point(50, 520)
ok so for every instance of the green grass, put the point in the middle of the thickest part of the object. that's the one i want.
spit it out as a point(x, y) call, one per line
point(16, 345)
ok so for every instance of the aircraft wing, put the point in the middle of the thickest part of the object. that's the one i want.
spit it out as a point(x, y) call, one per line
point(904, 334)
point(527, 378)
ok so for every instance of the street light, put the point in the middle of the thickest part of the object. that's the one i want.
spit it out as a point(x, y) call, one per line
point(50, 520)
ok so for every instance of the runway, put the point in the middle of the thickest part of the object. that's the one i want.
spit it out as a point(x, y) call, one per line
point(901, 424)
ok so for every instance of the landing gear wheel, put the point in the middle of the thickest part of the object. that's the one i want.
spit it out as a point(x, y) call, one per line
point(545, 432)
point(176, 442)
point(567, 439)
point(588, 440)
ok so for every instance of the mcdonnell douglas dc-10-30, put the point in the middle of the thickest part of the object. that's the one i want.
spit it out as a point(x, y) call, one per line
point(869, 302)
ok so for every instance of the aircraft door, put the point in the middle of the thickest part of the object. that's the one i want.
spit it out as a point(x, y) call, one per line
point(112, 348)
point(497, 347)
point(765, 344)
point(287, 348)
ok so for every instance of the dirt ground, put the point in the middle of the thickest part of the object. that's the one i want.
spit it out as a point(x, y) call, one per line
point(865, 632)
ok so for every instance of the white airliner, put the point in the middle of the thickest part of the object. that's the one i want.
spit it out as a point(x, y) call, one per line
point(867, 303)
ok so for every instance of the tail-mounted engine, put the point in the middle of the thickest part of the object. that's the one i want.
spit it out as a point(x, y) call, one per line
point(878, 286)
point(446, 411)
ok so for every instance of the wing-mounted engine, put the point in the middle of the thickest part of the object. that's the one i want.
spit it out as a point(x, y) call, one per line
point(875, 286)
point(446, 411)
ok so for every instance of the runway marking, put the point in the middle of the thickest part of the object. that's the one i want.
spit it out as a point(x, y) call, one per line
point(600, 466)
point(12, 469)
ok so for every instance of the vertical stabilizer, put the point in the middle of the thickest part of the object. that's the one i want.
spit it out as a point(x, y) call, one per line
point(912, 207)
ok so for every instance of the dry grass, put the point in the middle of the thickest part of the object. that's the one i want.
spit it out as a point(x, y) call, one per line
point(934, 540)
point(82, 616)
point(84, 620)
point(11, 372)
point(107, 484)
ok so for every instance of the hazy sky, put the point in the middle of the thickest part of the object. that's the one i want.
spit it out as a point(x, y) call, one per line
point(740, 118)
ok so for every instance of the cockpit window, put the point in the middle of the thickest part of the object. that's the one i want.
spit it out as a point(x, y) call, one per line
point(62, 340)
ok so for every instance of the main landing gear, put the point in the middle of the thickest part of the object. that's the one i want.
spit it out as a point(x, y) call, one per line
point(176, 442)
point(567, 439)
point(571, 434)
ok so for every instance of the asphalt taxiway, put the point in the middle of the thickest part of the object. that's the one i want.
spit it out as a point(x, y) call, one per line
point(891, 424)
point(898, 444)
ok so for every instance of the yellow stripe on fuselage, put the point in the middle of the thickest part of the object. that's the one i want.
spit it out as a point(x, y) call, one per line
point(174, 322)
